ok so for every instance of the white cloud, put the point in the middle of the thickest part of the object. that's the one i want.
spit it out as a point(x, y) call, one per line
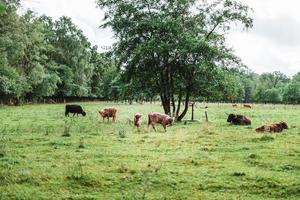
point(83, 13)
point(272, 44)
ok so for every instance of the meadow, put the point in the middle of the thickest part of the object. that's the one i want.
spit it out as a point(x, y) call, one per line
point(44, 155)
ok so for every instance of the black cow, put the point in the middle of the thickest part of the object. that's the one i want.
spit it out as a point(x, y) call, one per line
point(238, 119)
point(75, 109)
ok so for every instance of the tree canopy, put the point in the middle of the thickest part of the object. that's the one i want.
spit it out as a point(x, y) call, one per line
point(178, 45)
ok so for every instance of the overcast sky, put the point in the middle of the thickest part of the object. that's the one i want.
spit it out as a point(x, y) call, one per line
point(272, 44)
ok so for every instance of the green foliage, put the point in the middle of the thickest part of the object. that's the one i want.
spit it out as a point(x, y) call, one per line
point(2, 7)
point(175, 48)
point(292, 92)
point(40, 58)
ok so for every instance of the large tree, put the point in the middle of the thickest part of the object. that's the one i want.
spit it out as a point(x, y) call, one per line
point(174, 47)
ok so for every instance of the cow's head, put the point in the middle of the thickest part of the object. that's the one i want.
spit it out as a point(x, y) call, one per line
point(260, 129)
point(137, 116)
point(231, 117)
point(170, 120)
point(83, 113)
point(102, 113)
point(283, 125)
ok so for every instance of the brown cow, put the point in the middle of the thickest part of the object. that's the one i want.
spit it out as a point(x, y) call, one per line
point(137, 120)
point(107, 113)
point(238, 119)
point(275, 127)
point(247, 105)
point(159, 118)
point(234, 105)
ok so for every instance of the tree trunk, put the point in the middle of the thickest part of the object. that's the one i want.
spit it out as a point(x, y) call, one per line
point(186, 107)
point(193, 112)
point(178, 105)
point(165, 103)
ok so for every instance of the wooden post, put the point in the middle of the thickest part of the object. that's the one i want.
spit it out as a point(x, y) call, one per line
point(193, 111)
point(206, 116)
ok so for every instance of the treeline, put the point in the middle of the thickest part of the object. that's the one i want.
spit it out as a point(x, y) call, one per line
point(273, 87)
point(42, 59)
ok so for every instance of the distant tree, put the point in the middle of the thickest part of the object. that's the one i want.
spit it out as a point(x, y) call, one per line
point(292, 90)
point(273, 80)
point(273, 95)
point(172, 46)
point(2, 7)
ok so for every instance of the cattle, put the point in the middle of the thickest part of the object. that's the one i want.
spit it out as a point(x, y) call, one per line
point(137, 120)
point(159, 118)
point(108, 113)
point(275, 127)
point(75, 109)
point(238, 120)
point(246, 105)
point(234, 105)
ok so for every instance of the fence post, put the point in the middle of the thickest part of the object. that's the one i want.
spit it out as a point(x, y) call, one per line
point(193, 111)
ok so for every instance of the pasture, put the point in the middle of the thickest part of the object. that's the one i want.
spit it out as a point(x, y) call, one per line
point(44, 155)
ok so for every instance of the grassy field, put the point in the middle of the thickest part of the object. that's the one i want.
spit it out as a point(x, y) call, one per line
point(193, 160)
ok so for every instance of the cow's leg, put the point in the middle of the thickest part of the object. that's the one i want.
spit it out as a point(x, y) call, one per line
point(165, 127)
point(153, 126)
point(74, 114)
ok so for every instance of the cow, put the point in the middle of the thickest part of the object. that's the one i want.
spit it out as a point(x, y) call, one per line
point(238, 120)
point(137, 120)
point(75, 109)
point(107, 113)
point(246, 105)
point(275, 127)
point(159, 118)
point(234, 105)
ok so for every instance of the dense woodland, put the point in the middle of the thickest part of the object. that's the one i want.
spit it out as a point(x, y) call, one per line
point(41, 58)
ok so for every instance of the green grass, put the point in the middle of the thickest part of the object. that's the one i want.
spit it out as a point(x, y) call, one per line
point(193, 160)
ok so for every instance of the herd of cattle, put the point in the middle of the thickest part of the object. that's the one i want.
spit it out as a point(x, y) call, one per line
point(166, 120)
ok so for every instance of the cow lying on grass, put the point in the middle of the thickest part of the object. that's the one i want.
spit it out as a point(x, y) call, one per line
point(108, 113)
point(137, 120)
point(247, 105)
point(275, 127)
point(238, 120)
point(75, 109)
point(164, 120)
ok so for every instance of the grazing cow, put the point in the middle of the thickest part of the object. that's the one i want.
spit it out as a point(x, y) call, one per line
point(275, 127)
point(238, 119)
point(234, 105)
point(75, 109)
point(107, 113)
point(247, 105)
point(159, 118)
point(137, 120)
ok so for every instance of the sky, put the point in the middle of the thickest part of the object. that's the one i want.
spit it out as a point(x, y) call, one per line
point(273, 44)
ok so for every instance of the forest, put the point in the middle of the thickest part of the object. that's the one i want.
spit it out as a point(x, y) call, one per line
point(42, 59)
